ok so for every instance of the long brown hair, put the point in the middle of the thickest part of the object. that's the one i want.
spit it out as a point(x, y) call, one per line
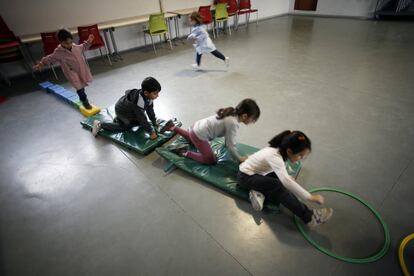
point(246, 106)
point(197, 17)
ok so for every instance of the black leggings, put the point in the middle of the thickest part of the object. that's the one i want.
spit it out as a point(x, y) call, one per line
point(82, 95)
point(118, 126)
point(271, 187)
point(216, 53)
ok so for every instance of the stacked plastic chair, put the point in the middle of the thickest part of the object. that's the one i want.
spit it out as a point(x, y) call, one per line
point(10, 49)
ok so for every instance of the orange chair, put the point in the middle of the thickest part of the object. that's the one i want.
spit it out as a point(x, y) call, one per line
point(50, 42)
point(245, 7)
point(10, 49)
point(205, 13)
point(98, 42)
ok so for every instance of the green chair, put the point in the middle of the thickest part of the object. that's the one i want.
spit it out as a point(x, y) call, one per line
point(221, 16)
point(157, 27)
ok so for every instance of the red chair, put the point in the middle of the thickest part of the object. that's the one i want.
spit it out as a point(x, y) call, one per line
point(233, 9)
point(10, 48)
point(245, 7)
point(205, 13)
point(98, 42)
point(50, 42)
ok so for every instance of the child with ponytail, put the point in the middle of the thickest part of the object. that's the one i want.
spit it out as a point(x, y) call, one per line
point(202, 41)
point(224, 124)
point(264, 174)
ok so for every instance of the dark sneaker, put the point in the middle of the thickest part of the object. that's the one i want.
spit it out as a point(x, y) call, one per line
point(180, 149)
point(167, 127)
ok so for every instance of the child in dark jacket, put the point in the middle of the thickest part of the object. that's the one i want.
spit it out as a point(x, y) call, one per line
point(132, 110)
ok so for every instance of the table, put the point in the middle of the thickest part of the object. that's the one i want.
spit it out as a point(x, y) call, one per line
point(106, 27)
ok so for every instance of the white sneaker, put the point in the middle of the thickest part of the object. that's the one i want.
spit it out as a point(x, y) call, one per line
point(196, 67)
point(256, 199)
point(96, 127)
point(320, 216)
point(227, 61)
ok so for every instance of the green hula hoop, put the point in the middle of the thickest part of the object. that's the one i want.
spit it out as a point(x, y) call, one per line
point(369, 259)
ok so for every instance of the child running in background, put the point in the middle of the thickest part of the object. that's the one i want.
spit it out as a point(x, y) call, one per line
point(202, 41)
point(131, 108)
point(224, 124)
point(264, 174)
point(70, 57)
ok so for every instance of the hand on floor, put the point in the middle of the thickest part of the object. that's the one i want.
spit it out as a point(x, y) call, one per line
point(153, 136)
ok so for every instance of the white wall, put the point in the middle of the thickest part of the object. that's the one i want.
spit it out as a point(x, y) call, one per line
point(132, 36)
point(28, 17)
point(353, 8)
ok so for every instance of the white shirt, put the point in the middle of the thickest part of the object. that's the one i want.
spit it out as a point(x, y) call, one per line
point(209, 128)
point(203, 42)
point(267, 160)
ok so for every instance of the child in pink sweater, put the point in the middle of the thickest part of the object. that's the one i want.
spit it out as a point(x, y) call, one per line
point(70, 56)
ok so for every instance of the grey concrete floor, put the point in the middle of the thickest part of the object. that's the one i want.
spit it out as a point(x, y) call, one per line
point(71, 204)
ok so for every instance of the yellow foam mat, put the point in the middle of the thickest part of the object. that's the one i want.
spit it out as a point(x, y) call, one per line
point(89, 112)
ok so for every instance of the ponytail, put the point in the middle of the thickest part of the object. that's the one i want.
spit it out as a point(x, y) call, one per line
point(295, 140)
point(246, 106)
point(225, 112)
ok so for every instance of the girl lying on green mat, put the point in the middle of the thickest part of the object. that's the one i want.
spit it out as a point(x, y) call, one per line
point(264, 174)
point(224, 124)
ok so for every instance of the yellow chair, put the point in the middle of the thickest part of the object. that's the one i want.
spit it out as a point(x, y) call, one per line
point(221, 16)
point(157, 27)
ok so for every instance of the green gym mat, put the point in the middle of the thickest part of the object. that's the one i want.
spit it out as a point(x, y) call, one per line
point(223, 174)
point(135, 139)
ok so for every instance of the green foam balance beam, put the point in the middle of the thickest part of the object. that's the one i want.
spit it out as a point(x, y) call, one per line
point(223, 175)
point(136, 139)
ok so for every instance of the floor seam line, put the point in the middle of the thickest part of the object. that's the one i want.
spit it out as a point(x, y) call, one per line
point(396, 181)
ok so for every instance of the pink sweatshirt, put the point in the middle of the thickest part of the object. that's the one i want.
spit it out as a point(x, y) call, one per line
point(73, 64)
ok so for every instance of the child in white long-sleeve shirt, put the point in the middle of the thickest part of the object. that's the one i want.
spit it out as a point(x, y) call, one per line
point(202, 41)
point(224, 124)
point(264, 174)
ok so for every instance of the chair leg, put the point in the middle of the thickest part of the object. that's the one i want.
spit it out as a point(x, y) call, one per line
point(86, 60)
point(228, 25)
point(145, 39)
point(169, 40)
point(214, 29)
point(257, 18)
point(6, 79)
point(100, 51)
point(54, 72)
point(108, 55)
point(153, 45)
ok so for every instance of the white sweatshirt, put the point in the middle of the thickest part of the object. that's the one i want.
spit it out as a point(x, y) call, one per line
point(203, 43)
point(267, 160)
point(209, 128)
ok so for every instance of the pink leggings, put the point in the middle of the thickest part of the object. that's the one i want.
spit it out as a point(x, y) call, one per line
point(206, 155)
